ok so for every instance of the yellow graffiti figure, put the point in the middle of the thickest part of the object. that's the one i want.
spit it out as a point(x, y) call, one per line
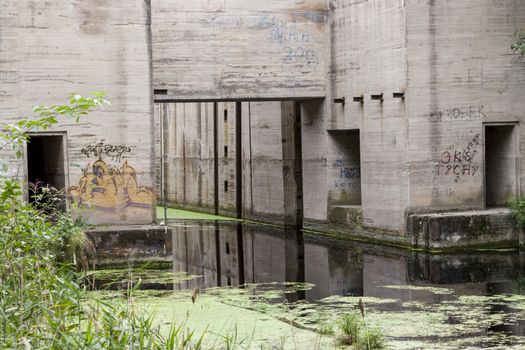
point(107, 188)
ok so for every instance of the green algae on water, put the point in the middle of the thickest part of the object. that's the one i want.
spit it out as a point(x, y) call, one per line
point(433, 290)
point(179, 214)
point(143, 275)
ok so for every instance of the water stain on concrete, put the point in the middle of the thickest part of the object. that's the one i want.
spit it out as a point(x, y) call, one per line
point(93, 15)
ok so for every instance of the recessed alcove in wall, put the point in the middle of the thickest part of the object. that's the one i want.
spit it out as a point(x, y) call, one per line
point(501, 170)
point(345, 179)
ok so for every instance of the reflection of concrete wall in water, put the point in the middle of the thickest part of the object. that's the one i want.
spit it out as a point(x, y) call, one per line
point(195, 252)
point(333, 271)
point(466, 274)
point(229, 253)
point(265, 255)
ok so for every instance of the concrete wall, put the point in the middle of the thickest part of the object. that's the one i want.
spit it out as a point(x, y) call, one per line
point(455, 66)
point(263, 161)
point(214, 49)
point(189, 155)
point(368, 49)
point(421, 81)
point(52, 48)
point(189, 151)
point(314, 150)
point(462, 75)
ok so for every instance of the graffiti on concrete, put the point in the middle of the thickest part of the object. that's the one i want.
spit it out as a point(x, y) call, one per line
point(116, 152)
point(460, 162)
point(458, 113)
point(348, 172)
point(296, 43)
point(109, 188)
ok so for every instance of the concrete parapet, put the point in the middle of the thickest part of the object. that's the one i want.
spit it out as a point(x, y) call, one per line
point(434, 232)
point(468, 229)
point(131, 242)
point(358, 234)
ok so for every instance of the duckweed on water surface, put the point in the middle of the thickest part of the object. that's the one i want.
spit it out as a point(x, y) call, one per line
point(179, 214)
point(434, 290)
point(143, 275)
point(268, 316)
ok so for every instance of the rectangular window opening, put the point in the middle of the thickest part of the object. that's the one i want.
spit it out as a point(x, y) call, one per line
point(225, 186)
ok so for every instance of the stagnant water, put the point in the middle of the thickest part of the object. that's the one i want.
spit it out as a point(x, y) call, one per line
point(419, 300)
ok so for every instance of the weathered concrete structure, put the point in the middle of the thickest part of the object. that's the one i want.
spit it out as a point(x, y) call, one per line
point(50, 49)
point(409, 111)
point(420, 117)
point(238, 49)
point(267, 158)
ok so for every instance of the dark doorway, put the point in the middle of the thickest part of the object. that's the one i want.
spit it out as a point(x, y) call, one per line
point(501, 183)
point(45, 163)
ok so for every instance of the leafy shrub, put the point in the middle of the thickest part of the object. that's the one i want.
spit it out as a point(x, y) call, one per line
point(350, 326)
point(371, 339)
point(42, 304)
point(325, 328)
point(517, 208)
point(518, 46)
point(354, 331)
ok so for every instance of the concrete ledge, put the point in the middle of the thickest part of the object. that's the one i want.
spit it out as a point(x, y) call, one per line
point(351, 215)
point(359, 234)
point(113, 242)
point(468, 229)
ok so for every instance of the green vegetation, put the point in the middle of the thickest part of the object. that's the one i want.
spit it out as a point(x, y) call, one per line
point(189, 215)
point(350, 327)
point(517, 208)
point(518, 46)
point(373, 339)
point(354, 331)
point(325, 328)
point(42, 303)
